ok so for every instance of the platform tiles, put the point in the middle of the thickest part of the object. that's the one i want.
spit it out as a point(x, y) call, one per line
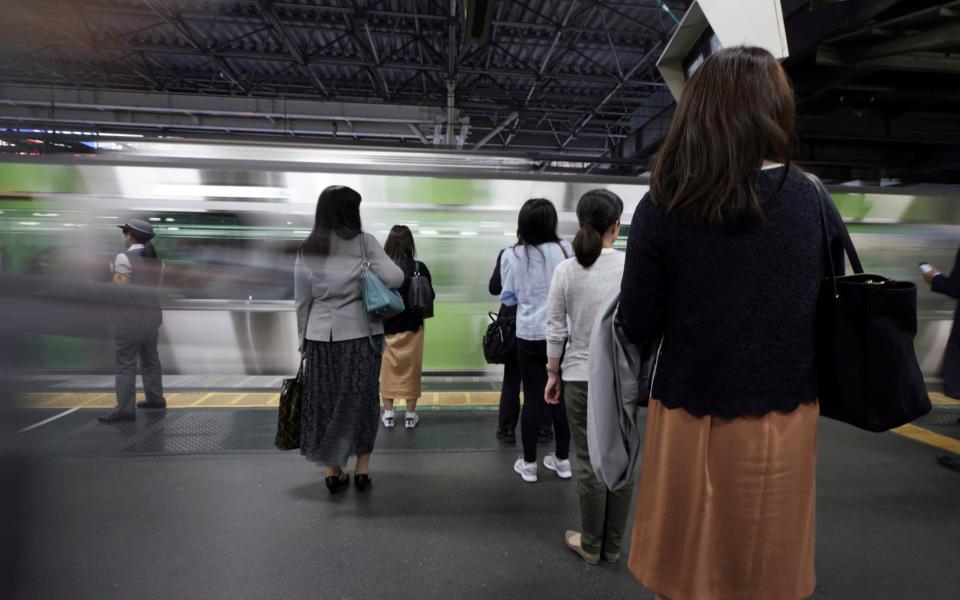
point(229, 399)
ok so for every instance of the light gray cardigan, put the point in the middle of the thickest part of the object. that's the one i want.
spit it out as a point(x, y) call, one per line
point(328, 289)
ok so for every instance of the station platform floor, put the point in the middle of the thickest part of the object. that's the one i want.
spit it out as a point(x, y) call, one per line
point(194, 502)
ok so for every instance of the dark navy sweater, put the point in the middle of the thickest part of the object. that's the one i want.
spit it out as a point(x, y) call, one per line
point(736, 309)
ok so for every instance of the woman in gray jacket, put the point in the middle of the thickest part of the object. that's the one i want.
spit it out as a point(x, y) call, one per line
point(340, 342)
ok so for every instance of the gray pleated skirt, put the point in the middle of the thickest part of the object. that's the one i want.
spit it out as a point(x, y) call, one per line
point(340, 412)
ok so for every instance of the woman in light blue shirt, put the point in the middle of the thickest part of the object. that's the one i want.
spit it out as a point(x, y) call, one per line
point(526, 271)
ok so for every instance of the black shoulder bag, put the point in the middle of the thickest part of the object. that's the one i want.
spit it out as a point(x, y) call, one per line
point(420, 295)
point(867, 370)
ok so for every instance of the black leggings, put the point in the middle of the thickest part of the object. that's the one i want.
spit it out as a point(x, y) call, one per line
point(532, 356)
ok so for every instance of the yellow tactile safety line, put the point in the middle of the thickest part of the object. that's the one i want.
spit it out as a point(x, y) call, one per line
point(64, 400)
point(925, 436)
point(177, 400)
point(939, 399)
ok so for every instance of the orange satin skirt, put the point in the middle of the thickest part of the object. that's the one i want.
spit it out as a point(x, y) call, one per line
point(727, 509)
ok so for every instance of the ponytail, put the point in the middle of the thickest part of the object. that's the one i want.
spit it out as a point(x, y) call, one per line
point(149, 251)
point(597, 211)
point(587, 245)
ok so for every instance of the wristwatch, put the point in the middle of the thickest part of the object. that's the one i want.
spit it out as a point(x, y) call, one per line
point(552, 371)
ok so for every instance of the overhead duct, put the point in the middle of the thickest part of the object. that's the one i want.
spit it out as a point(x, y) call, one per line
point(709, 25)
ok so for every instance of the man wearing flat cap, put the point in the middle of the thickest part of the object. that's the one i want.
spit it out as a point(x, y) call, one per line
point(137, 327)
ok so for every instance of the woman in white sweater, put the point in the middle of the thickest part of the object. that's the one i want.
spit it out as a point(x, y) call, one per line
point(579, 287)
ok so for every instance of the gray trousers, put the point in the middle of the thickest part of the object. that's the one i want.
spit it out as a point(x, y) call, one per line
point(135, 342)
point(603, 513)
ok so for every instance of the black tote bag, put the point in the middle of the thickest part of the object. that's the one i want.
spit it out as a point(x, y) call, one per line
point(288, 417)
point(867, 370)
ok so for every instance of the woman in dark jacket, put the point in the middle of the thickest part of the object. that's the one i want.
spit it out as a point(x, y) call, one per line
point(402, 367)
point(725, 258)
point(340, 341)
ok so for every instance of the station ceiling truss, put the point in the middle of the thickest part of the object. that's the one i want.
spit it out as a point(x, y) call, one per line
point(560, 79)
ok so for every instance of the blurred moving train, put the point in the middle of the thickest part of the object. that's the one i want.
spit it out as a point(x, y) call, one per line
point(229, 219)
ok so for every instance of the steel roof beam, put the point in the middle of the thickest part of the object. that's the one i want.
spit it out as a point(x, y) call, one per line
point(226, 71)
point(35, 96)
point(280, 32)
point(316, 59)
point(633, 70)
point(938, 37)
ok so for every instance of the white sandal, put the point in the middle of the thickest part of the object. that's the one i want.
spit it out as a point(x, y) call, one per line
point(388, 418)
point(411, 420)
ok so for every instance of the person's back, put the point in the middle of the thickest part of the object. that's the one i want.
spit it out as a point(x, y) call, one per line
point(526, 272)
point(738, 308)
point(580, 286)
point(581, 290)
point(329, 288)
point(725, 259)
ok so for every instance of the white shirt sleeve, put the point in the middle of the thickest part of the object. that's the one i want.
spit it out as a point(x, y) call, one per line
point(557, 331)
point(121, 265)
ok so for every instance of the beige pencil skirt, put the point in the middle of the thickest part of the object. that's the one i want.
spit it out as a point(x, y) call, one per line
point(402, 366)
point(726, 509)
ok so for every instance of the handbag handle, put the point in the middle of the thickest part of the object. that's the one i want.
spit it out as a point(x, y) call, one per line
point(851, 252)
point(364, 265)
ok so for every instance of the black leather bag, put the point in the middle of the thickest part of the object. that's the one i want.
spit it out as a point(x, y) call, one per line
point(288, 419)
point(420, 295)
point(867, 370)
point(500, 339)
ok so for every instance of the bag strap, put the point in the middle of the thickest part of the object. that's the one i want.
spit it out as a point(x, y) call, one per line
point(562, 249)
point(364, 266)
point(849, 250)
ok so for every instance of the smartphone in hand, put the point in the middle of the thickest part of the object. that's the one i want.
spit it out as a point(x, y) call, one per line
point(925, 267)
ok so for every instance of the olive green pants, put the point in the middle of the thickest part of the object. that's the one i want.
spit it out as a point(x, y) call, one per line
point(603, 513)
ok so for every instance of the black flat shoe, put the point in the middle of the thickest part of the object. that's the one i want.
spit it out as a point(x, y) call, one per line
point(335, 482)
point(152, 405)
point(362, 481)
point(117, 417)
point(508, 437)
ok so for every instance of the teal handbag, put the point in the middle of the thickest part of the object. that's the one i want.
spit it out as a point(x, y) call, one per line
point(378, 299)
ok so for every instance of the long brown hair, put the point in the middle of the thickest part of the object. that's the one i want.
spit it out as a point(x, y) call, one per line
point(400, 244)
point(736, 111)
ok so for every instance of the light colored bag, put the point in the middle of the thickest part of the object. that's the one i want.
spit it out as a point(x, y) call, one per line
point(620, 380)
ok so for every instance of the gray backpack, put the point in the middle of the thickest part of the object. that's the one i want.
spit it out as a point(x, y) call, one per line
point(620, 379)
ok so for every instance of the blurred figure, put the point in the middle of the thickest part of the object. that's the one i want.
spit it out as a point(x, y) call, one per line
point(42, 262)
point(402, 367)
point(725, 258)
point(949, 286)
point(138, 326)
point(340, 341)
point(579, 287)
point(526, 270)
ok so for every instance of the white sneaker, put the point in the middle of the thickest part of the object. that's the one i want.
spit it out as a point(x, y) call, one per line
point(526, 470)
point(411, 420)
point(389, 418)
point(560, 467)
